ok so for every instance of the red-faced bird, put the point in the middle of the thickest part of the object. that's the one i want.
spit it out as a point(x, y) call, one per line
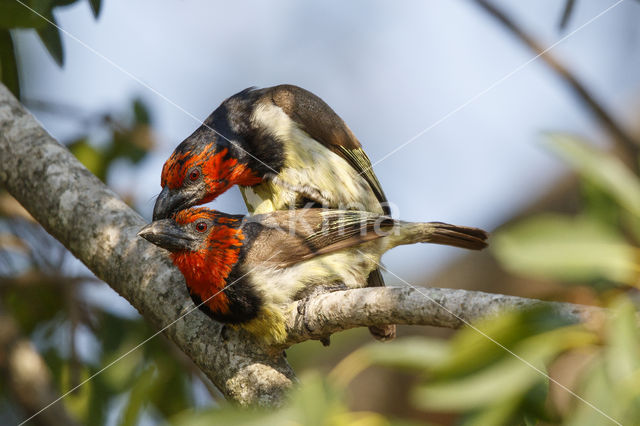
point(246, 270)
point(285, 148)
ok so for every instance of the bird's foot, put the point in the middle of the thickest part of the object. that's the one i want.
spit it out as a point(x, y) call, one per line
point(317, 291)
point(224, 332)
point(302, 306)
point(302, 311)
point(383, 333)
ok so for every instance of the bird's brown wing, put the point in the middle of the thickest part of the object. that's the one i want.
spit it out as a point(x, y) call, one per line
point(317, 118)
point(298, 235)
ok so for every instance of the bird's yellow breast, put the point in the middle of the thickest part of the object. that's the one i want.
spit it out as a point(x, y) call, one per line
point(279, 287)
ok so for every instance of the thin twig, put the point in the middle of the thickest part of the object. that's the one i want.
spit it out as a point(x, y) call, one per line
point(566, 14)
point(629, 147)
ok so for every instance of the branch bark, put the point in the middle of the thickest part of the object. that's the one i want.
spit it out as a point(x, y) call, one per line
point(99, 229)
point(440, 307)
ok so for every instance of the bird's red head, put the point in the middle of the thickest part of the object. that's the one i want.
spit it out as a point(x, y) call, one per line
point(205, 245)
point(197, 176)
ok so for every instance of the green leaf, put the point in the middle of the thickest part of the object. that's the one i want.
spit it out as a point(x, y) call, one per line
point(601, 168)
point(132, 144)
point(98, 402)
point(313, 402)
point(172, 391)
point(50, 36)
point(122, 373)
point(601, 206)
point(571, 249)
point(622, 362)
point(623, 349)
point(33, 305)
point(8, 66)
point(225, 416)
point(596, 389)
point(141, 112)
point(510, 378)
point(96, 5)
point(138, 396)
point(63, 2)
point(77, 402)
point(630, 224)
point(15, 15)
point(473, 348)
point(496, 414)
point(414, 353)
point(90, 157)
point(502, 381)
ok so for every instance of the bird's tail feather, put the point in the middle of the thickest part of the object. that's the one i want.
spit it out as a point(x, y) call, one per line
point(444, 233)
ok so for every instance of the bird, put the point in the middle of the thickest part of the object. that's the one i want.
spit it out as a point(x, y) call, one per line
point(247, 270)
point(285, 148)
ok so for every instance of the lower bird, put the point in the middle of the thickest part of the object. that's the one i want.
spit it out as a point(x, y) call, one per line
point(247, 270)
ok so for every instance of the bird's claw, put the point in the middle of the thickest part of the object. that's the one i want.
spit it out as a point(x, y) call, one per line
point(224, 332)
point(302, 307)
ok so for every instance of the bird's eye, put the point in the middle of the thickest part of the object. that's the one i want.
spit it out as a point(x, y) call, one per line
point(194, 174)
point(201, 226)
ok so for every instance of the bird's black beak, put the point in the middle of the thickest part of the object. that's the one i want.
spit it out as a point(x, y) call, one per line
point(168, 202)
point(167, 234)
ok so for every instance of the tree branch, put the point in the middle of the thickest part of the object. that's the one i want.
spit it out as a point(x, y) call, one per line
point(440, 307)
point(98, 228)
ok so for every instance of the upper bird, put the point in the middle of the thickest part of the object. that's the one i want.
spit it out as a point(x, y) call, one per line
point(285, 148)
point(247, 270)
point(283, 145)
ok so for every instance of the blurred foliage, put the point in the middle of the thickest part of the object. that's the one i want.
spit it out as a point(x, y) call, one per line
point(599, 248)
point(599, 245)
point(497, 372)
point(522, 367)
point(127, 142)
point(574, 249)
point(494, 372)
point(315, 402)
point(149, 378)
point(37, 15)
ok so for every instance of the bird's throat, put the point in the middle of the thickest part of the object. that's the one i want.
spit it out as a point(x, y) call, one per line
point(222, 171)
point(206, 271)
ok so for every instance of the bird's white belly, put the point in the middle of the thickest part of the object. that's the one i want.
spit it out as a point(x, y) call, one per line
point(350, 267)
point(310, 171)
